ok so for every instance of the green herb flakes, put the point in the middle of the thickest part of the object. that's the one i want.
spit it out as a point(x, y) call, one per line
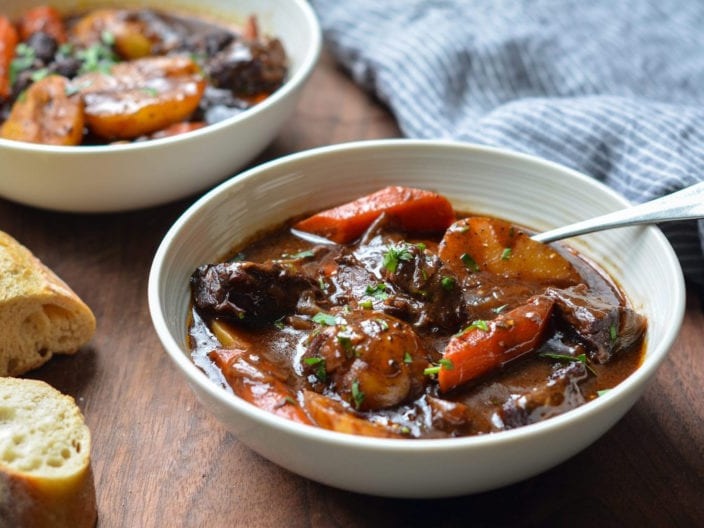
point(479, 324)
point(319, 367)
point(613, 333)
point(324, 319)
point(357, 395)
point(393, 257)
point(378, 291)
point(435, 369)
point(469, 262)
point(581, 358)
point(448, 283)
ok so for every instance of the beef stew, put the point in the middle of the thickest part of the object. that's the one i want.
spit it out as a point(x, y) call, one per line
point(395, 316)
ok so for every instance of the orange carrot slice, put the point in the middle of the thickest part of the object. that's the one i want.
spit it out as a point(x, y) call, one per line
point(486, 346)
point(416, 210)
point(42, 18)
point(8, 42)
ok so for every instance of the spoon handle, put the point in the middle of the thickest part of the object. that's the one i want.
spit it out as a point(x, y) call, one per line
point(685, 204)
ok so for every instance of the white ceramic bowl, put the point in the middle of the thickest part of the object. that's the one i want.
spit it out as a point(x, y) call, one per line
point(123, 177)
point(483, 180)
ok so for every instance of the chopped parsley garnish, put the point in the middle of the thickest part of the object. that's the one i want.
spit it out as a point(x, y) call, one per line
point(506, 254)
point(383, 324)
point(107, 38)
point(378, 291)
point(394, 255)
point(443, 363)
point(448, 283)
point(469, 262)
point(313, 361)
point(345, 342)
point(23, 60)
point(38, 75)
point(99, 57)
point(367, 304)
point(479, 324)
point(613, 332)
point(582, 358)
point(324, 319)
point(319, 367)
point(357, 395)
point(407, 358)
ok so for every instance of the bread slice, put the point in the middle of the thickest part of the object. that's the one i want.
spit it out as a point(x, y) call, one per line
point(39, 314)
point(46, 478)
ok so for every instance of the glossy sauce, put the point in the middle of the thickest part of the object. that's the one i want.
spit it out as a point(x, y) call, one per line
point(529, 387)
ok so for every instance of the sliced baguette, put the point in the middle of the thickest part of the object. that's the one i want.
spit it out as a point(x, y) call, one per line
point(46, 478)
point(39, 314)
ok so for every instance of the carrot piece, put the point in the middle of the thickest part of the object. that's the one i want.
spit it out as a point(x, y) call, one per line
point(47, 113)
point(258, 382)
point(42, 18)
point(177, 128)
point(487, 346)
point(8, 42)
point(415, 210)
point(489, 244)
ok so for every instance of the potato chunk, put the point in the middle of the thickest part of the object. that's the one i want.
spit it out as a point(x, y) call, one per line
point(493, 245)
point(131, 35)
point(139, 97)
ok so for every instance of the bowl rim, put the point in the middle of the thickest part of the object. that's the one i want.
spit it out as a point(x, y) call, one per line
point(305, 69)
point(194, 376)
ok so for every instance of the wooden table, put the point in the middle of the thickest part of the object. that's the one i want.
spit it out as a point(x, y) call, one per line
point(161, 460)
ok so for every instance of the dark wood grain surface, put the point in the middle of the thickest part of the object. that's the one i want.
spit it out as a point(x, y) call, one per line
point(161, 460)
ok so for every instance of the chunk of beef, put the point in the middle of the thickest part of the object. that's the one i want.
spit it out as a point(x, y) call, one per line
point(249, 68)
point(43, 45)
point(605, 327)
point(423, 276)
point(207, 44)
point(247, 292)
point(559, 394)
point(402, 279)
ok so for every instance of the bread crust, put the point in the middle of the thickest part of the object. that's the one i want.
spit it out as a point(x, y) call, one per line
point(46, 478)
point(40, 315)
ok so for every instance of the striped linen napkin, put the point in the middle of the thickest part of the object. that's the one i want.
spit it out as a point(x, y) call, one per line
point(614, 90)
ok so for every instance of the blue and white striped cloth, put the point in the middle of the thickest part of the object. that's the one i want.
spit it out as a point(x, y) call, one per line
point(612, 89)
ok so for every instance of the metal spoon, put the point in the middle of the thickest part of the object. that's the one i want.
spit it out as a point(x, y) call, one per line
point(686, 204)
